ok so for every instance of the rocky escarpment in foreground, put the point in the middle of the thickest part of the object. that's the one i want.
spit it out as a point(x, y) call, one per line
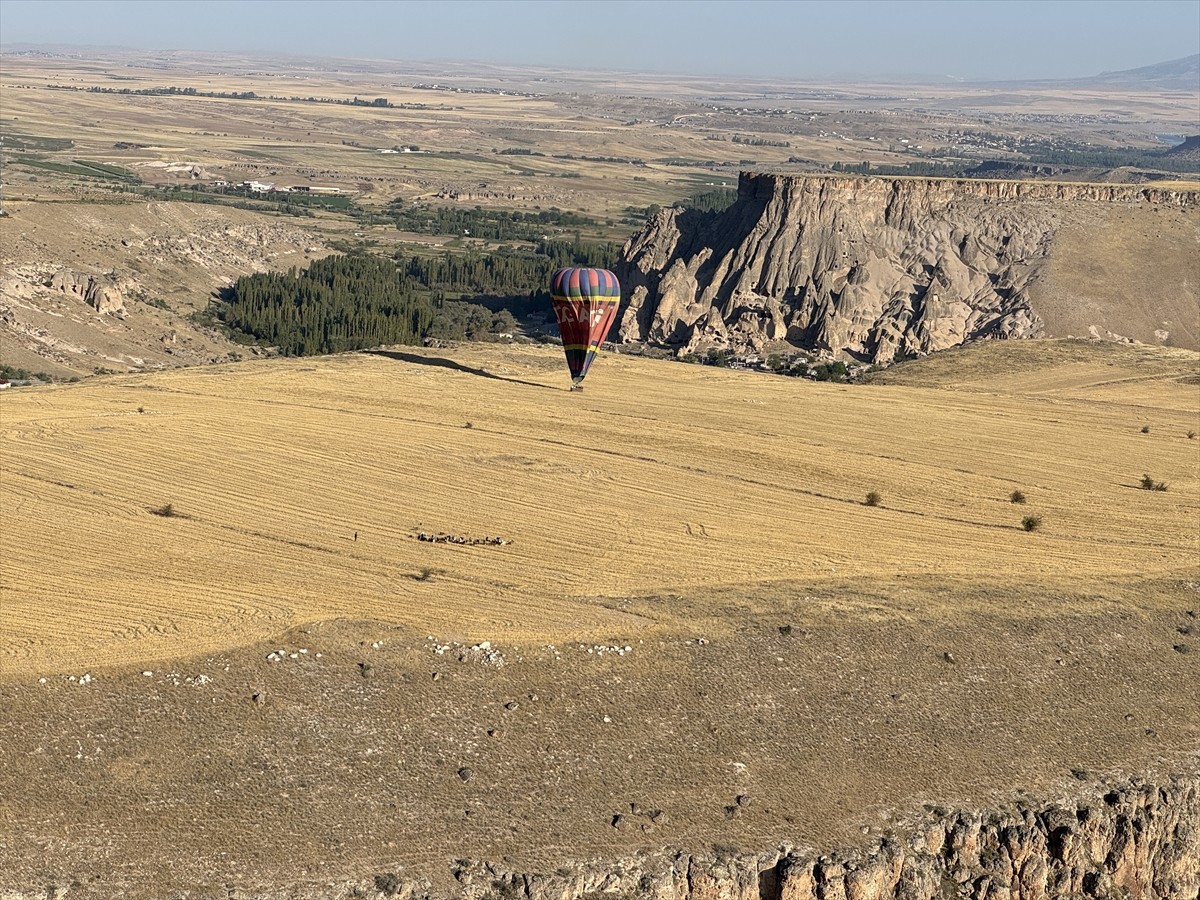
point(1136, 840)
point(866, 267)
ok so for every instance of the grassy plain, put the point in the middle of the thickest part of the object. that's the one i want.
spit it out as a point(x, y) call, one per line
point(838, 663)
point(659, 477)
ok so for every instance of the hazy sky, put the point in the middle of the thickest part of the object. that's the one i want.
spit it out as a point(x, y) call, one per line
point(974, 39)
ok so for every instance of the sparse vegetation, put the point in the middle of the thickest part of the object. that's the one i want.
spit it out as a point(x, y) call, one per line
point(829, 371)
point(9, 373)
point(1145, 429)
point(1017, 497)
point(1031, 523)
point(167, 511)
point(872, 499)
point(1149, 484)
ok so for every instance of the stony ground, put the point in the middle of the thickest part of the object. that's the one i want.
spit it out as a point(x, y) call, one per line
point(806, 714)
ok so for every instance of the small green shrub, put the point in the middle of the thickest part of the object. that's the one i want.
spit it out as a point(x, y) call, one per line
point(1031, 523)
point(873, 499)
point(1017, 497)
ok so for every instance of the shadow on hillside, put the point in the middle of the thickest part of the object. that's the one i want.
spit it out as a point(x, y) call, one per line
point(443, 363)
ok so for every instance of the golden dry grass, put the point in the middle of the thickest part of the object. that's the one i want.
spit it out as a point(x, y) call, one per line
point(660, 477)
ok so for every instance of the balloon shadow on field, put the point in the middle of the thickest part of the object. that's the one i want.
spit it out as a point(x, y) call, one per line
point(443, 363)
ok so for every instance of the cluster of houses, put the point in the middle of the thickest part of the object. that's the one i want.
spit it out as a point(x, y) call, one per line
point(268, 187)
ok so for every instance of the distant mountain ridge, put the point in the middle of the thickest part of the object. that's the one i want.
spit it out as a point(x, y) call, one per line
point(1175, 74)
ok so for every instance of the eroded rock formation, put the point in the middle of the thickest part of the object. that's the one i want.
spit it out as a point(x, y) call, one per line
point(865, 267)
point(1137, 840)
point(101, 292)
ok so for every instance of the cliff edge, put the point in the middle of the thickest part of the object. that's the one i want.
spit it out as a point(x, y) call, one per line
point(872, 268)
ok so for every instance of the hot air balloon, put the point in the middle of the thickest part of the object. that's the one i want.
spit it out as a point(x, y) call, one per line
point(585, 304)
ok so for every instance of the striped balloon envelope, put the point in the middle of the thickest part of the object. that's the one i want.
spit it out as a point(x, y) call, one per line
point(585, 304)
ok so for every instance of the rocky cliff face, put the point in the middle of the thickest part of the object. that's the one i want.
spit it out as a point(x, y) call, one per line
point(1136, 841)
point(111, 286)
point(101, 292)
point(865, 267)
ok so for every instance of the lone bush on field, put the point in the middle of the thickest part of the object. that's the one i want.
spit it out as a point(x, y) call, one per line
point(873, 499)
point(1145, 429)
point(1149, 484)
point(1017, 497)
point(167, 511)
point(1031, 523)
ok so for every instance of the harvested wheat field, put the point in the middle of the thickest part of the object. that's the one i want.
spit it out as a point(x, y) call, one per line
point(230, 614)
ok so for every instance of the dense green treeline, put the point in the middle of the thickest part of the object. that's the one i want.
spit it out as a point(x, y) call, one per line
point(1112, 159)
point(345, 303)
point(716, 200)
point(339, 303)
point(505, 272)
point(1096, 159)
point(488, 224)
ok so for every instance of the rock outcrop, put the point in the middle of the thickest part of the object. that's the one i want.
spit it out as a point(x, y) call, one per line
point(1136, 840)
point(101, 292)
point(861, 267)
point(93, 286)
point(1139, 841)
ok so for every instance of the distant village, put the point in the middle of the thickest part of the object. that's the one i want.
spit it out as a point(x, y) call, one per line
point(268, 187)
